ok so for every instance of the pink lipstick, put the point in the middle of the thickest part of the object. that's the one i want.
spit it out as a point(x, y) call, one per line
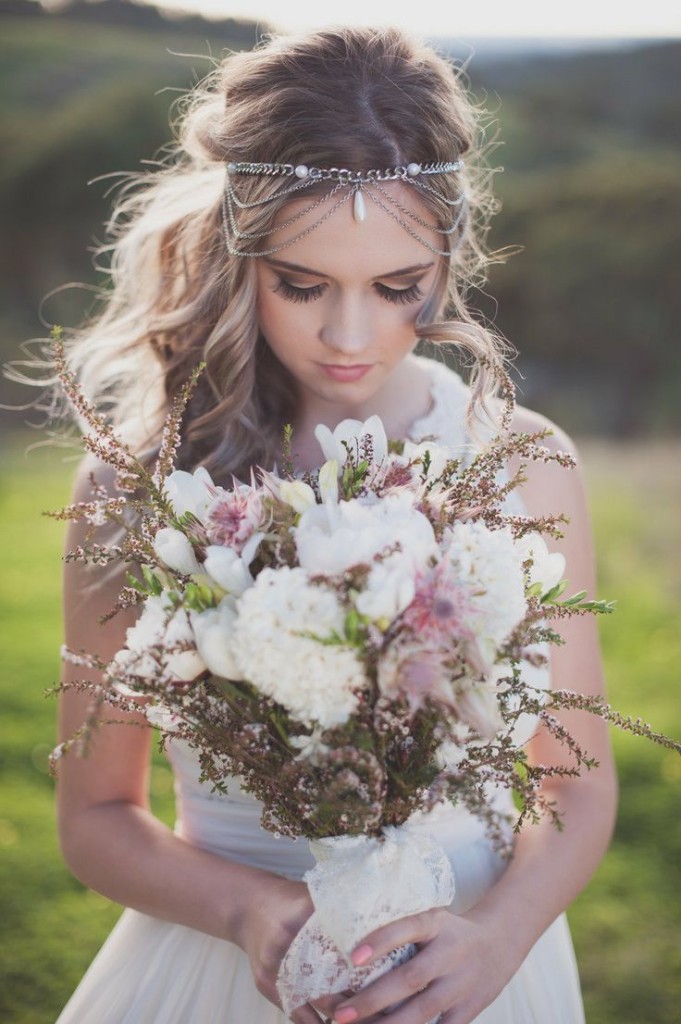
point(345, 373)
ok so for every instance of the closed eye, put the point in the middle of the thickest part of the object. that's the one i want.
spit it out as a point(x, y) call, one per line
point(293, 294)
point(400, 295)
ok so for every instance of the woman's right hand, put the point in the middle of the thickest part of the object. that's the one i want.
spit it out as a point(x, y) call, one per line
point(277, 911)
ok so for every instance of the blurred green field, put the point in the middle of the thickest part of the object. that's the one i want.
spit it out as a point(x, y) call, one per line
point(625, 924)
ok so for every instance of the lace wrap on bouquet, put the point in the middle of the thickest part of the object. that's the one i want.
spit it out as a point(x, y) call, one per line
point(358, 884)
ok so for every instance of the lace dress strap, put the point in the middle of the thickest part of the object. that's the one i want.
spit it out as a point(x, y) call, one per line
point(445, 421)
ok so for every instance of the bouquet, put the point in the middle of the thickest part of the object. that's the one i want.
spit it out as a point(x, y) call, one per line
point(347, 647)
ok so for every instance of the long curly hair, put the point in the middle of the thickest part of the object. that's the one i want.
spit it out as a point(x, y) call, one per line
point(353, 97)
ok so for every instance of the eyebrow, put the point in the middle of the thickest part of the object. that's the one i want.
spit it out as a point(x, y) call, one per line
point(296, 268)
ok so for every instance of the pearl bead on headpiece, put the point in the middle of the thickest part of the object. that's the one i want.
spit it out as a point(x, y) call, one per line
point(345, 184)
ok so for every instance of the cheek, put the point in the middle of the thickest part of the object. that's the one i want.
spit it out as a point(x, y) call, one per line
point(287, 327)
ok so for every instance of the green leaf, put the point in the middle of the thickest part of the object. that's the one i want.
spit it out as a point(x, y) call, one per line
point(575, 599)
point(152, 581)
point(554, 592)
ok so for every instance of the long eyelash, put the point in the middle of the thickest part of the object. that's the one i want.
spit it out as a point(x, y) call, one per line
point(293, 294)
point(400, 295)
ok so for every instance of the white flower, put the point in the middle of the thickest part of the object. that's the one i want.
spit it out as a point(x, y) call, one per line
point(352, 432)
point(332, 538)
point(387, 592)
point(438, 456)
point(328, 482)
point(547, 567)
point(228, 569)
point(309, 747)
point(161, 717)
point(452, 751)
point(154, 643)
point(297, 494)
point(479, 708)
point(190, 492)
point(317, 682)
point(213, 629)
point(176, 551)
point(490, 561)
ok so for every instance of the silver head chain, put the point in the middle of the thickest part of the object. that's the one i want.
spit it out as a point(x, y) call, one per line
point(344, 184)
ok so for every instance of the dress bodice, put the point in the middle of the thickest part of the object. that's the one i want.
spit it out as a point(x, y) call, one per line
point(229, 825)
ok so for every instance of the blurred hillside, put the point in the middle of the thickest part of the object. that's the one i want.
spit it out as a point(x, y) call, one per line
point(591, 191)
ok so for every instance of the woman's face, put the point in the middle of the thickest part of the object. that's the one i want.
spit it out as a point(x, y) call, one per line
point(338, 307)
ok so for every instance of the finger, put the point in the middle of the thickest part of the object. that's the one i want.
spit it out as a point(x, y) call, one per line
point(306, 1015)
point(422, 1008)
point(416, 928)
point(400, 986)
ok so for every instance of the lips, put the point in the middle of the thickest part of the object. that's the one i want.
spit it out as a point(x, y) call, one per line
point(346, 373)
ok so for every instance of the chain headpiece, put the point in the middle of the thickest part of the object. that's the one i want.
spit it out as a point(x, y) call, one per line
point(345, 184)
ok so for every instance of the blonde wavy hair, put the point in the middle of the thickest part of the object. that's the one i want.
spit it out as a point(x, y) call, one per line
point(349, 97)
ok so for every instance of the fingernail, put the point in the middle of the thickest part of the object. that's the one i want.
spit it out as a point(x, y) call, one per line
point(362, 955)
point(344, 1015)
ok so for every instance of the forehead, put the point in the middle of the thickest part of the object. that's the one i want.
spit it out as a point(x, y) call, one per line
point(338, 245)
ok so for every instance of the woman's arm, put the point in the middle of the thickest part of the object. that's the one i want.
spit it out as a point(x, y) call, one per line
point(110, 839)
point(465, 960)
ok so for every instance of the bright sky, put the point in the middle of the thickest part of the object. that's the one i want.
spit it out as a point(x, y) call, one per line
point(574, 18)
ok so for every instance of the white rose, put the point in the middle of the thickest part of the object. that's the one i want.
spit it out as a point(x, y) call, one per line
point(176, 551)
point(213, 631)
point(190, 492)
point(547, 567)
point(352, 432)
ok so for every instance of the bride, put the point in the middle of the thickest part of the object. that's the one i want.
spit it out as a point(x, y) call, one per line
point(323, 213)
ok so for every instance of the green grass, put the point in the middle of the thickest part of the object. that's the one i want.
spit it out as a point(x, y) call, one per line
point(625, 924)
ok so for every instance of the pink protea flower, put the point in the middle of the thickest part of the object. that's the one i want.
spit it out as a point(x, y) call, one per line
point(441, 610)
point(407, 669)
point(235, 516)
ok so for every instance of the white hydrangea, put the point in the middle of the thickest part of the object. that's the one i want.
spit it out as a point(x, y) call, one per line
point(492, 562)
point(331, 538)
point(316, 682)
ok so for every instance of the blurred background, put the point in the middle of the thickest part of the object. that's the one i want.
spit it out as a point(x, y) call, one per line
point(587, 114)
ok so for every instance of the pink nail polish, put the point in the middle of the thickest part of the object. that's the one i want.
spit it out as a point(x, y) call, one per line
point(344, 1015)
point(362, 956)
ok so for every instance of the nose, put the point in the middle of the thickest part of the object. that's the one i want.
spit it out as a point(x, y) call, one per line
point(347, 325)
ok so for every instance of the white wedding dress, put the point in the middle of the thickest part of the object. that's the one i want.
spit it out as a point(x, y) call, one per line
point(151, 971)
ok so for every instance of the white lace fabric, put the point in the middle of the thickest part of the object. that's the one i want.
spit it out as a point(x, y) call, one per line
point(359, 884)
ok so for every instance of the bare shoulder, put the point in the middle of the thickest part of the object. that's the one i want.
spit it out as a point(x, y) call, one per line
point(548, 486)
point(91, 591)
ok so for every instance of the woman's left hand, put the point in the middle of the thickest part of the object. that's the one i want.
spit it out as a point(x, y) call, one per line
point(461, 966)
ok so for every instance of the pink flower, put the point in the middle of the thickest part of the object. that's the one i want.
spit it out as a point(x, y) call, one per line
point(441, 610)
point(407, 669)
point(235, 516)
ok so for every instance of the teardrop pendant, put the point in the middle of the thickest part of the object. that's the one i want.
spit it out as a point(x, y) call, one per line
point(359, 210)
